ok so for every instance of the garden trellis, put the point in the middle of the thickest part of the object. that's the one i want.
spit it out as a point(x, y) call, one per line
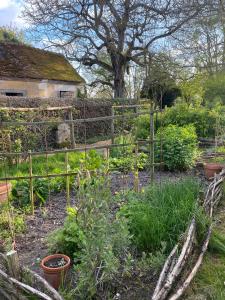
point(125, 114)
point(121, 117)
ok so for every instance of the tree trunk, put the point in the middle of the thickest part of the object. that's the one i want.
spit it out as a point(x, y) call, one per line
point(119, 87)
point(119, 66)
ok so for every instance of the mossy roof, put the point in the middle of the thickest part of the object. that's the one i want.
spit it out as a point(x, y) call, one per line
point(22, 61)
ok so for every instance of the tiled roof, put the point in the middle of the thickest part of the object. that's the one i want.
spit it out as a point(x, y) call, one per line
point(22, 61)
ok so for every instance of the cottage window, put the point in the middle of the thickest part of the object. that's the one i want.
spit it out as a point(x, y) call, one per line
point(13, 93)
point(66, 94)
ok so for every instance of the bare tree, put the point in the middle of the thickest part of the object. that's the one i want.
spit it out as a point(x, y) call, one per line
point(125, 29)
point(202, 44)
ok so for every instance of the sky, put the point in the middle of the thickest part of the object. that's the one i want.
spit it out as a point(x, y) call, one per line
point(10, 11)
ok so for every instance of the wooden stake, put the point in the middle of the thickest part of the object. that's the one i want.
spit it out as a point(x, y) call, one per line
point(152, 169)
point(112, 125)
point(67, 180)
point(136, 173)
point(72, 129)
point(13, 263)
point(31, 182)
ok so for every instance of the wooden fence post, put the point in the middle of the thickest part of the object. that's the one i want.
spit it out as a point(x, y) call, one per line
point(136, 173)
point(72, 137)
point(67, 179)
point(13, 263)
point(112, 125)
point(31, 182)
point(152, 155)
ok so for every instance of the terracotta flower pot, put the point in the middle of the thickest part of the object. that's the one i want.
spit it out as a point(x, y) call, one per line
point(55, 275)
point(212, 168)
point(5, 190)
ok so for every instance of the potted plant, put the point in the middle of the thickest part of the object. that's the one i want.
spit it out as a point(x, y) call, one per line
point(55, 268)
point(5, 190)
point(213, 167)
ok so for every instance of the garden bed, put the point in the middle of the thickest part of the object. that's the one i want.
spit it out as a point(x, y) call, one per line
point(32, 247)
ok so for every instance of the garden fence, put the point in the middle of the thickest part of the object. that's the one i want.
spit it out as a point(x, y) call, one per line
point(122, 116)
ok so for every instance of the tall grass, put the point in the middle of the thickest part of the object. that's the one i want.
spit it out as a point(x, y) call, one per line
point(209, 281)
point(161, 214)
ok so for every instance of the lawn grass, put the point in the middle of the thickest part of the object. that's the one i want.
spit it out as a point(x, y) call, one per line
point(209, 282)
point(54, 163)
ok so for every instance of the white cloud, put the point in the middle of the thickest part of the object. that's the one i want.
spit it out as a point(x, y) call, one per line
point(5, 3)
point(10, 11)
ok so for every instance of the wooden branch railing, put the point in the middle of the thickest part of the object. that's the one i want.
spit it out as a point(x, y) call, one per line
point(23, 284)
point(168, 286)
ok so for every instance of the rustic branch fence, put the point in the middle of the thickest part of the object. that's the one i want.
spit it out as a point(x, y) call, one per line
point(177, 263)
point(148, 109)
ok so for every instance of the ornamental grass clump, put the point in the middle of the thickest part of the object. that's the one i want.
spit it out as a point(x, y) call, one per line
point(161, 214)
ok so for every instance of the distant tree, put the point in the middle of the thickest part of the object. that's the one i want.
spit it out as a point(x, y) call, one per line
point(202, 43)
point(160, 82)
point(192, 90)
point(125, 29)
point(215, 89)
point(11, 35)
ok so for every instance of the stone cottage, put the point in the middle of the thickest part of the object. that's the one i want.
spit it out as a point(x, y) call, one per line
point(32, 72)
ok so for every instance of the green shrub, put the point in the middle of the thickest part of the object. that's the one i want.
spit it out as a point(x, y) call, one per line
point(106, 239)
point(181, 114)
point(179, 147)
point(202, 118)
point(123, 159)
point(161, 214)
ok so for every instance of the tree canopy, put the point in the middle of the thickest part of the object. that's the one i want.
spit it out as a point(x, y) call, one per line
point(126, 29)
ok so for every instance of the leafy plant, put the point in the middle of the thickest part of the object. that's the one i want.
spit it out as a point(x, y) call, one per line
point(106, 239)
point(127, 164)
point(11, 222)
point(220, 160)
point(90, 160)
point(93, 237)
point(68, 239)
point(202, 118)
point(21, 192)
point(118, 152)
point(179, 147)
